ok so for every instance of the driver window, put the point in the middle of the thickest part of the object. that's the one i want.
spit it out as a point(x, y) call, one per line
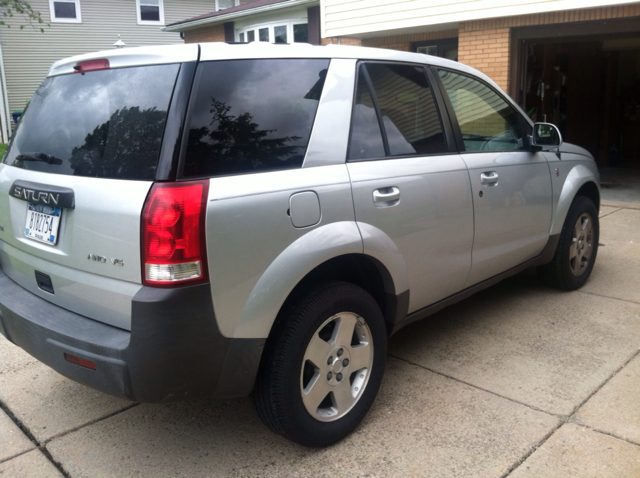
point(487, 121)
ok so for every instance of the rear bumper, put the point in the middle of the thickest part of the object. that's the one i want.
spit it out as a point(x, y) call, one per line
point(174, 350)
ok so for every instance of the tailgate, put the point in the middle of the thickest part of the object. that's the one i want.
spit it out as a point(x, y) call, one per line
point(93, 266)
point(73, 185)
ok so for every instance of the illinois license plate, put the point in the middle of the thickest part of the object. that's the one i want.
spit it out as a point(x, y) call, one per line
point(43, 223)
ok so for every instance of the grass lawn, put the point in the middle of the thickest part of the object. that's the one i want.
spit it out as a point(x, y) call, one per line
point(3, 147)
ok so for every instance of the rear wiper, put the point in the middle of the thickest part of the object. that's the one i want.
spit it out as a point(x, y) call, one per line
point(45, 158)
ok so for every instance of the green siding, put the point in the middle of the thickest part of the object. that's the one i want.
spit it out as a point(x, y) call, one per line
point(28, 54)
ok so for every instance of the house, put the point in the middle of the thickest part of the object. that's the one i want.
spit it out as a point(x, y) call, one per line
point(275, 21)
point(572, 63)
point(569, 62)
point(80, 26)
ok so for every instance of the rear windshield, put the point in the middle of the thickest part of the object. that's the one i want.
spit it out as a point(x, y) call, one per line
point(105, 124)
point(252, 115)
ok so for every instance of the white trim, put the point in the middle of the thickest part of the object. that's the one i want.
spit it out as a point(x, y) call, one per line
point(371, 24)
point(4, 102)
point(52, 12)
point(230, 16)
point(235, 4)
point(149, 22)
point(287, 22)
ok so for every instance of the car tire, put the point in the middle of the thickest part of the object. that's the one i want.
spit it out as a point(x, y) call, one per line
point(577, 248)
point(322, 365)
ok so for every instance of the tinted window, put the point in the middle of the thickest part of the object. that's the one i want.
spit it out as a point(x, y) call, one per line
point(409, 113)
point(487, 121)
point(301, 33)
point(106, 124)
point(64, 10)
point(252, 115)
point(366, 138)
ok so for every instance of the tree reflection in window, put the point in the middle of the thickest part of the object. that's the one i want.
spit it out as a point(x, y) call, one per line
point(251, 116)
point(237, 144)
point(134, 152)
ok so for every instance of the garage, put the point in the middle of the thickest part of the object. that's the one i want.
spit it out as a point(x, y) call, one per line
point(585, 78)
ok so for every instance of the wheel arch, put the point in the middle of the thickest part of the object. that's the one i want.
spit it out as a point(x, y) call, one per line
point(330, 253)
point(581, 181)
point(362, 270)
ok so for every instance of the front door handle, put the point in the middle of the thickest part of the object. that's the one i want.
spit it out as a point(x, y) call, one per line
point(386, 196)
point(490, 177)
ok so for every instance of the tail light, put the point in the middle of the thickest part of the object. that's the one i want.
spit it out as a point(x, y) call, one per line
point(173, 235)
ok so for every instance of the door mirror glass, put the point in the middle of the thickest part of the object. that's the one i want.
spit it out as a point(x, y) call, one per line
point(546, 136)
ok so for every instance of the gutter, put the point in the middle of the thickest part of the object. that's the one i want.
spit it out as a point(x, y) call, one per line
point(179, 27)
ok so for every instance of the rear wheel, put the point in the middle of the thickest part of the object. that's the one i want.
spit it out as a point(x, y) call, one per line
point(322, 366)
point(577, 248)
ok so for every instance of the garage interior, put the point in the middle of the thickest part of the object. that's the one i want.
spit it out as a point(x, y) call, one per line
point(587, 84)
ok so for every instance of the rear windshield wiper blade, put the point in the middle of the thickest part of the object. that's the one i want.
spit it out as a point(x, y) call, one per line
point(45, 158)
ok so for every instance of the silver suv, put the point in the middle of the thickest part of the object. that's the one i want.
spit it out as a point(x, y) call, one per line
point(218, 220)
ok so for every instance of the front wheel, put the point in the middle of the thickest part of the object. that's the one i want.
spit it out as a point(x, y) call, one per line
point(322, 366)
point(577, 248)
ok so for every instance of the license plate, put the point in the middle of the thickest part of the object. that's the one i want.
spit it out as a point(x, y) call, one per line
point(43, 223)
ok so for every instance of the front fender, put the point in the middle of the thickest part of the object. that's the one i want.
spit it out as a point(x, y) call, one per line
point(579, 175)
point(291, 266)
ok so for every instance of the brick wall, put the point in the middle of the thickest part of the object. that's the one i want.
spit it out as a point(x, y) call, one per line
point(211, 33)
point(487, 50)
point(485, 44)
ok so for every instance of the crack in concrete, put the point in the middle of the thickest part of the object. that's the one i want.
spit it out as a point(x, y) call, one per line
point(16, 455)
point(562, 419)
point(609, 213)
point(43, 446)
point(609, 434)
point(513, 400)
point(92, 422)
point(533, 449)
point(609, 297)
point(23, 428)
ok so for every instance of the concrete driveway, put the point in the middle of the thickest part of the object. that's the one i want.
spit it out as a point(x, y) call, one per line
point(517, 381)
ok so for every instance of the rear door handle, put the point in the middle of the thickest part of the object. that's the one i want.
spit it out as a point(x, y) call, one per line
point(386, 196)
point(490, 177)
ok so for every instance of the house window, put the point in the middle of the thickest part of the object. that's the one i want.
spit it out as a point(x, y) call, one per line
point(65, 11)
point(150, 12)
point(277, 32)
point(222, 4)
point(447, 48)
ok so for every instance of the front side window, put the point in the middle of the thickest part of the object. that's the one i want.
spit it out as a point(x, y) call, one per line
point(404, 100)
point(150, 11)
point(101, 124)
point(487, 122)
point(65, 11)
point(251, 116)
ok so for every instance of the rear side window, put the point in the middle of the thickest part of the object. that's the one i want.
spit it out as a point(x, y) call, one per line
point(104, 124)
point(252, 116)
point(404, 100)
point(487, 122)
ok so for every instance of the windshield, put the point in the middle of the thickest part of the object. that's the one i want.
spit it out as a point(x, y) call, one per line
point(105, 124)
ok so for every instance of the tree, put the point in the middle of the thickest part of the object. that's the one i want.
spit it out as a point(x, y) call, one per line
point(10, 8)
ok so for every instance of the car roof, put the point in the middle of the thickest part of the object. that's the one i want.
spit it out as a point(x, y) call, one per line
point(191, 52)
point(163, 54)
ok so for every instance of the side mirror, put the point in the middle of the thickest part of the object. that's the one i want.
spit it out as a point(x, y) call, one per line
point(546, 136)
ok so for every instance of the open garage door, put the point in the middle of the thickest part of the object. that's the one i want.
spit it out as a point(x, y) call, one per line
point(587, 84)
